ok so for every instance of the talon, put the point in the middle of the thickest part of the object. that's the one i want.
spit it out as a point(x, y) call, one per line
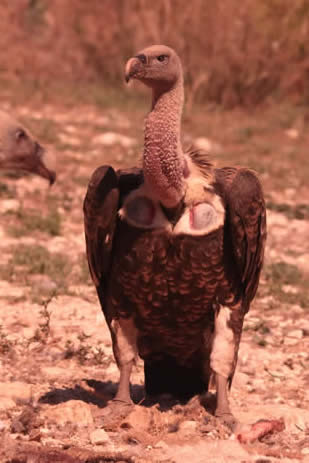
point(115, 411)
point(125, 402)
point(228, 419)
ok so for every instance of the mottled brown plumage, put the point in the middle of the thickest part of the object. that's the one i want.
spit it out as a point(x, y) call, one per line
point(20, 151)
point(175, 250)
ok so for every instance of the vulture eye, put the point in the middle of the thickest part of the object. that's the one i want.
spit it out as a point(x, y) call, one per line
point(161, 58)
point(20, 135)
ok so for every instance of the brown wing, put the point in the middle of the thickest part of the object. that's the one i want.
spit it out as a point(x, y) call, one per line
point(105, 191)
point(245, 226)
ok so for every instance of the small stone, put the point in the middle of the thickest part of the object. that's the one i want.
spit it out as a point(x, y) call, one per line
point(69, 139)
point(28, 332)
point(296, 334)
point(3, 426)
point(290, 341)
point(112, 138)
point(292, 133)
point(290, 289)
point(89, 330)
point(7, 205)
point(99, 437)
point(11, 290)
point(188, 427)
point(161, 445)
point(207, 145)
point(305, 451)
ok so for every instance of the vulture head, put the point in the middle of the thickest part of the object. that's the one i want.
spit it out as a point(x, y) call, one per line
point(19, 151)
point(159, 68)
point(155, 66)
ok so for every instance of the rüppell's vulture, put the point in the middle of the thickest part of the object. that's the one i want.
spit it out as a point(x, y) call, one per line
point(175, 250)
point(19, 151)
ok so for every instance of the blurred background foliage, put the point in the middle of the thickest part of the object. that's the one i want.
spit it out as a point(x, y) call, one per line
point(235, 53)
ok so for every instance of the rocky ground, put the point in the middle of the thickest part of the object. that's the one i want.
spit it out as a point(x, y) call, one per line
point(57, 367)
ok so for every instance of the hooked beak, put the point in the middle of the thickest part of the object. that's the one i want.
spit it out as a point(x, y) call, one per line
point(44, 172)
point(133, 66)
point(41, 163)
point(45, 165)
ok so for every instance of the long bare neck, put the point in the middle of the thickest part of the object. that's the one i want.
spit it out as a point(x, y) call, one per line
point(163, 161)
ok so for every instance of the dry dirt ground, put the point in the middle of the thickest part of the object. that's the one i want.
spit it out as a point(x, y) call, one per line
point(57, 367)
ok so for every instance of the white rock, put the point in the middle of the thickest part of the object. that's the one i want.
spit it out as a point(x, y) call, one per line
point(28, 332)
point(298, 334)
point(17, 391)
point(287, 341)
point(99, 437)
point(290, 289)
point(161, 445)
point(6, 403)
point(292, 133)
point(89, 330)
point(7, 205)
point(10, 290)
point(205, 144)
point(188, 426)
point(112, 138)
point(73, 411)
point(71, 128)
point(69, 139)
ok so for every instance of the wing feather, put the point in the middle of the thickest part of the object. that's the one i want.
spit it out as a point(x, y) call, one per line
point(106, 190)
point(246, 225)
point(100, 212)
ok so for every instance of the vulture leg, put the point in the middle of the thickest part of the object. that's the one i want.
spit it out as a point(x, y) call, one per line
point(222, 363)
point(223, 408)
point(123, 333)
point(123, 392)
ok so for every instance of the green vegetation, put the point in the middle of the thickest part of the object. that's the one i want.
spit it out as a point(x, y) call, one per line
point(27, 260)
point(7, 191)
point(295, 211)
point(44, 129)
point(35, 14)
point(29, 221)
point(282, 273)
point(42, 332)
point(86, 353)
point(234, 63)
point(6, 346)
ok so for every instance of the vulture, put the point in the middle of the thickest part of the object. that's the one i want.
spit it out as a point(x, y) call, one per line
point(20, 151)
point(175, 250)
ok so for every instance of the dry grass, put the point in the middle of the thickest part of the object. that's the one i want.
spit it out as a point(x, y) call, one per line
point(234, 52)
